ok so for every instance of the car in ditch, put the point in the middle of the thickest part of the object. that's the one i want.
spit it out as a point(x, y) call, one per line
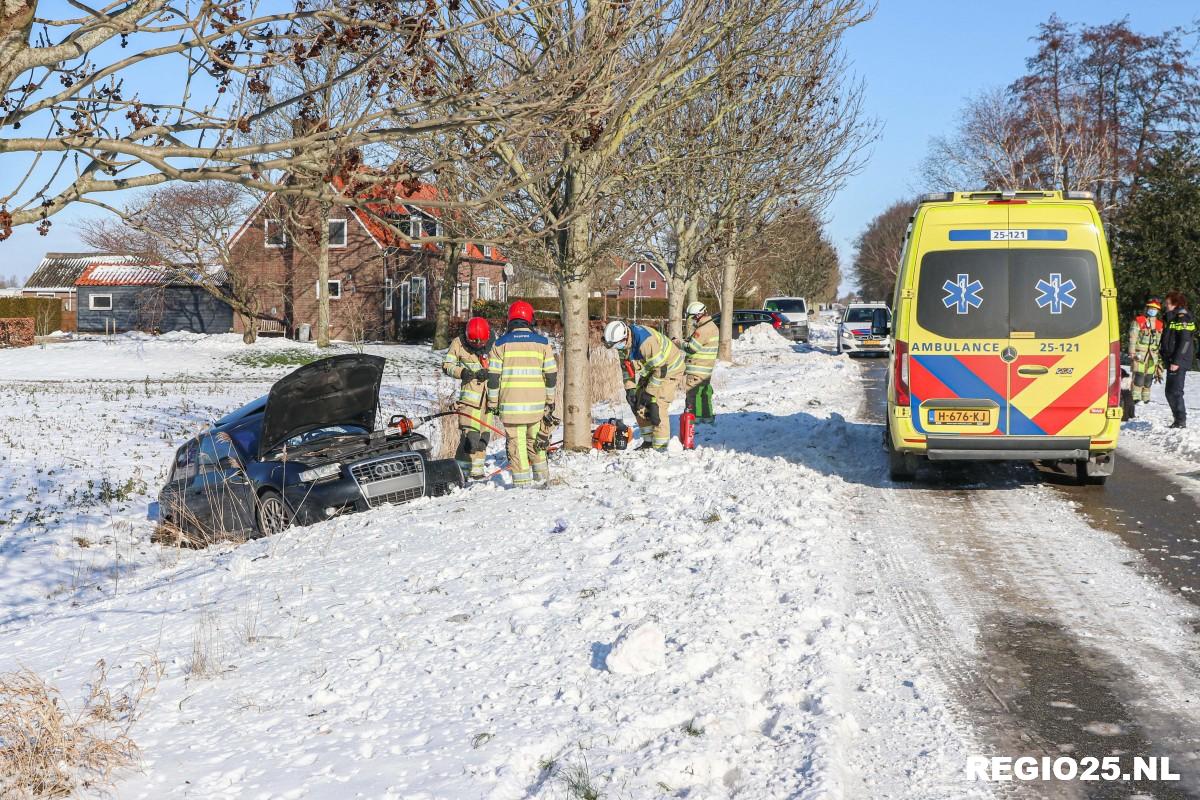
point(305, 452)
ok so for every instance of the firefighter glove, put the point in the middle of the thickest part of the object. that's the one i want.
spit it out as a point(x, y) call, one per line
point(631, 395)
point(481, 374)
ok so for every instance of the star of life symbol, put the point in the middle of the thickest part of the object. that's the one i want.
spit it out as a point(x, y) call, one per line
point(963, 294)
point(1055, 293)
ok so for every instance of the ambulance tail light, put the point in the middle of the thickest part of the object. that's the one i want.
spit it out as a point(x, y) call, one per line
point(1114, 375)
point(900, 354)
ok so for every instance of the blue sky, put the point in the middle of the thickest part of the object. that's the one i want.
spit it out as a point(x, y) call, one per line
point(919, 59)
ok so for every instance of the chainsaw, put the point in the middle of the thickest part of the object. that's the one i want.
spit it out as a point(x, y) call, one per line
point(611, 435)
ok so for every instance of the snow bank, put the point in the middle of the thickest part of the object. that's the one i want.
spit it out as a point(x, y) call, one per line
point(761, 337)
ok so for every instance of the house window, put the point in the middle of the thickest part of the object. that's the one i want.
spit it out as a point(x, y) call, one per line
point(502, 291)
point(274, 233)
point(653, 284)
point(414, 226)
point(100, 302)
point(387, 294)
point(487, 251)
point(464, 297)
point(631, 284)
point(483, 289)
point(439, 231)
point(335, 290)
point(641, 267)
point(417, 296)
point(429, 227)
point(337, 233)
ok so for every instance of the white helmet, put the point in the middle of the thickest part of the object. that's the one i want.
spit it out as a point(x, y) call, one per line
point(615, 333)
point(696, 309)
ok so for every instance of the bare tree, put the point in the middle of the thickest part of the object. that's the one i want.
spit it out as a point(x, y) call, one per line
point(878, 249)
point(186, 228)
point(797, 257)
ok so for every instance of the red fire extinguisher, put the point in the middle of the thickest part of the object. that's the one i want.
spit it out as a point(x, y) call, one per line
point(687, 429)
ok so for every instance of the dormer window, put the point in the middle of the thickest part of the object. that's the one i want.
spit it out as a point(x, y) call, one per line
point(487, 250)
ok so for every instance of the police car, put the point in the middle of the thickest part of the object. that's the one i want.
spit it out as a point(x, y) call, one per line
point(865, 328)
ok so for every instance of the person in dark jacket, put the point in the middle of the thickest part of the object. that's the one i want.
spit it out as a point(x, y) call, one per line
point(1178, 348)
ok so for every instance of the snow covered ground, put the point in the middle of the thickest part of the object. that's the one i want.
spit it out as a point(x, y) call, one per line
point(754, 619)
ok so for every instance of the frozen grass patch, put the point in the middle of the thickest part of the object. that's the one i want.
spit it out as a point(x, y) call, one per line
point(48, 749)
point(264, 359)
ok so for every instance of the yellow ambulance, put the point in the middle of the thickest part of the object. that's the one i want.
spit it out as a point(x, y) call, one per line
point(1006, 339)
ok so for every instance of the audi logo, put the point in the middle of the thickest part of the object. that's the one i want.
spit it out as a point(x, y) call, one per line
point(389, 469)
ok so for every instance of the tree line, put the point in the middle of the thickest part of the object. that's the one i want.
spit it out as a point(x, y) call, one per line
point(566, 132)
point(1099, 108)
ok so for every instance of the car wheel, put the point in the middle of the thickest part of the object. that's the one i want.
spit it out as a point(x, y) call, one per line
point(272, 515)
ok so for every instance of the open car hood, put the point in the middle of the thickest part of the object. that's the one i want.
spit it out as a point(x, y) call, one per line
point(340, 390)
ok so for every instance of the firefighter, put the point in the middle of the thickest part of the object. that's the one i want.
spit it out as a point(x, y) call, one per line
point(1145, 335)
point(701, 349)
point(1177, 352)
point(651, 384)
point(467, 361)
point(522, 374)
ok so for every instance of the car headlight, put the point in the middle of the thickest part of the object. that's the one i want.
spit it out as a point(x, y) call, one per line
point(322, 472)
point(420, 443)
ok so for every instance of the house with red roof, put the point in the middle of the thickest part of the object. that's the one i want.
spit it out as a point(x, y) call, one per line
point(643, 280)
point(113, 296)
point(384, 281)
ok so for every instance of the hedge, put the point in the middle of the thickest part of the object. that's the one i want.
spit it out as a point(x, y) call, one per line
point(45, 311)
point(551, 306)
point(16, 332)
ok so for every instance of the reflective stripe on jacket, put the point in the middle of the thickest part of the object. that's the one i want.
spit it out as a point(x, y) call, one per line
point(1144, 339)
point(522, 374)
point(461, 360)
point(655, 358)
point(1177, 339)
point(701, 348)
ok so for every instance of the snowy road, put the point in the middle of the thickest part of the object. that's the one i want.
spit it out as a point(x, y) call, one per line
point(1053, 637)
point(795, 626)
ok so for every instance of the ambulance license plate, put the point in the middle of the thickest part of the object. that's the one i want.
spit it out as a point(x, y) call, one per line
point(960, 416)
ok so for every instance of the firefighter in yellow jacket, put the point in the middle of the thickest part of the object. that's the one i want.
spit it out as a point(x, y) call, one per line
point(701, 348)
point(522, 374)
point(467, 361)
point(657, 370)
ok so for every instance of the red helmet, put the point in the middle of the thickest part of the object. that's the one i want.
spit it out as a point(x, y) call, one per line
point(520, 310)
point(478, 330)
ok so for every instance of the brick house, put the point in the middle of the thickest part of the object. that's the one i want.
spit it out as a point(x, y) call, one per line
point(56, 275)
point(643, 280)
point(380, 284)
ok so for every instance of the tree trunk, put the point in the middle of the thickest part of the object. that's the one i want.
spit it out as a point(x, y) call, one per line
point(573, 372)
point(693, 290)
point(729, 271)
point(249, 328)
point(441, 331)
point(676, 294)
point(324, 207)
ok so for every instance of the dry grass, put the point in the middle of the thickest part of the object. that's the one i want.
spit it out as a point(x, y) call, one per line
point(604, 379)
point(206, 648)
point(49, 750)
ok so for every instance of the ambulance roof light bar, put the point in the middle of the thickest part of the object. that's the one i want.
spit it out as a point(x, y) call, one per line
point(1076, 195)
point(936, 197)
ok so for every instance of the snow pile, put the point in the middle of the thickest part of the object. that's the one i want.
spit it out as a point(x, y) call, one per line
point(761, 337)
point(639, 650)
point(1150, 436)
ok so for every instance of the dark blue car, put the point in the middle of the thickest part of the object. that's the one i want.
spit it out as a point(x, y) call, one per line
point(306, 452)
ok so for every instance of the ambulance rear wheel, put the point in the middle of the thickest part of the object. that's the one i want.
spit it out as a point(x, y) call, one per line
point(902, 467)
point(1084, 479)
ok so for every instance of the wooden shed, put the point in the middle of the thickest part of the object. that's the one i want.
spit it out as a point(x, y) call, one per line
point(137, 297)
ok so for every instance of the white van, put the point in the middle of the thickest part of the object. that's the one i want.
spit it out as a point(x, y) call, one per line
point(794, 311)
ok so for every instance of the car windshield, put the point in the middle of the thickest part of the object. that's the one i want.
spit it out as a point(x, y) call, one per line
point(322, 434)
point(858, 314)
point(787, 305)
